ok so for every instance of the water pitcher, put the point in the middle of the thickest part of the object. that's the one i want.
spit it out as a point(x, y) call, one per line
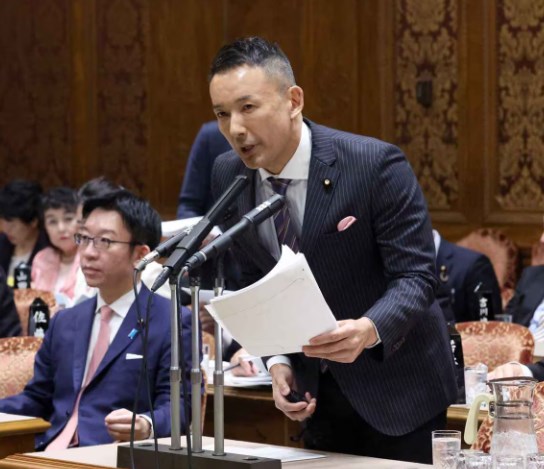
point(513, 421)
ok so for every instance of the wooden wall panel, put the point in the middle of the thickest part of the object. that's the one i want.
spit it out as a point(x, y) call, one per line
point(119, 87)
point(35, 90)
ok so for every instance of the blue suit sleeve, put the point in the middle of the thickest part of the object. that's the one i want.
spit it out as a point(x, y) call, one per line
point(404, 239)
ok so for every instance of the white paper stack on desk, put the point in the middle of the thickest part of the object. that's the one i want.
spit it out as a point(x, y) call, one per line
point(279, 313)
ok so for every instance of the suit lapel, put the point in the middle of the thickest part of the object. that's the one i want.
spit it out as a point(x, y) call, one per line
point(322, 182)
point(82, 337)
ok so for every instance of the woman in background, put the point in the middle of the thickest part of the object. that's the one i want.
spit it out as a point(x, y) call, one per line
point(23, 235)
point(54, 268)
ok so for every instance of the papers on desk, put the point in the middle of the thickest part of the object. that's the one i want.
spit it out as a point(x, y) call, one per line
point(261, 379)
point(274, 452)
point(278, 314)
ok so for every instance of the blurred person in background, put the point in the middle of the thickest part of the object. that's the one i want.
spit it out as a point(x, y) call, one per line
point(54, 268)
point(10, 325)
point(23, 236)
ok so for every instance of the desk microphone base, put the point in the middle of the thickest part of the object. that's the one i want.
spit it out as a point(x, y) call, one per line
point(144, 458)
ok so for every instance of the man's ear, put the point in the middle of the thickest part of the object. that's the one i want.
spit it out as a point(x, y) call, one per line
point(296, 96)
point(140, 250)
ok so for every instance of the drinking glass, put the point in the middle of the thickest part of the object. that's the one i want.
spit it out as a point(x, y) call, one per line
point(503, 317)
point(535, 461)
point(475, 381)
point(474, 459)
point(509, 462)
point(446, 448)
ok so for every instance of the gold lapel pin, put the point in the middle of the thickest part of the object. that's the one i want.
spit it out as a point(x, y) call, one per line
point(444, 277)
point(327, 183)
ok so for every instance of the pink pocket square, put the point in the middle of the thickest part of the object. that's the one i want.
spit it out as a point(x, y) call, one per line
point(345, 223)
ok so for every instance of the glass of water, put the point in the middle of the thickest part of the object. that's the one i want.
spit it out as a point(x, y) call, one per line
point(474, 459)
point(509, 462)
point(475, 381)
point(535, 461)
point(446, 448)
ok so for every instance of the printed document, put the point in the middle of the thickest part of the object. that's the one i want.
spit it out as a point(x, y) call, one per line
point(279, 313)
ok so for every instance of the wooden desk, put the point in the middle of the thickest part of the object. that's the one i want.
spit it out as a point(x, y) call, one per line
point(17, 433)
point(105, 456)
point(251, 415)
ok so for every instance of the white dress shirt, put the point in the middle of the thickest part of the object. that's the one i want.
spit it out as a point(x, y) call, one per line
point(120, 309)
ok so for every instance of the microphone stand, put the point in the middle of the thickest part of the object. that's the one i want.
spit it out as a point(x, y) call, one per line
point(174, 455)
point(196, 372)
point(175, 375)
point(218, 375)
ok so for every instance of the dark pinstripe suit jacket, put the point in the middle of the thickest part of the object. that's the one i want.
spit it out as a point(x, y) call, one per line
point(382, 267)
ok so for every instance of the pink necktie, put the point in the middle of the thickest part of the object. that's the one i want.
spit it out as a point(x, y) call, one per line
point(68, 433)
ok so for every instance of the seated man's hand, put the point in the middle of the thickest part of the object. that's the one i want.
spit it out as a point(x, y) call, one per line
point(506, 371)
point(118, 425)
point(246, 368)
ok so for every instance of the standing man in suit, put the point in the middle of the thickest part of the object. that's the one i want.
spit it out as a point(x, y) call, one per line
point(382, 381)
point(465, 275)
point(86, 371)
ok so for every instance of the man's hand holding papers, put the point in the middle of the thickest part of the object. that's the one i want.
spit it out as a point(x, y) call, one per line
point(278, 314)
point(344, 344)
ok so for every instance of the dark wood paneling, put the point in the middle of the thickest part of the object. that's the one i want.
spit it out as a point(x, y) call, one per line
point(119, 87)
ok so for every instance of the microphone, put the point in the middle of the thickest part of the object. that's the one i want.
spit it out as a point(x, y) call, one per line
point(190, 243)
point(162, 249)
point(222, 243)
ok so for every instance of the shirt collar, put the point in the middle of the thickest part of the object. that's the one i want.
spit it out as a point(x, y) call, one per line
point(298, 167)
point(437, 238)
point(121, 305)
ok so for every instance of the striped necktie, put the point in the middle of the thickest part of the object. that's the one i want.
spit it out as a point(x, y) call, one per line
point(68, 435)
point(282, 219)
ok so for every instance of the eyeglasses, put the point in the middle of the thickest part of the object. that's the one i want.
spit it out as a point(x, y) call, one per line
point(100, 243)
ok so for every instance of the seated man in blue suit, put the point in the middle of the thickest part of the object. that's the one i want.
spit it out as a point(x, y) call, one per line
point(461, 272)
point(86, 371)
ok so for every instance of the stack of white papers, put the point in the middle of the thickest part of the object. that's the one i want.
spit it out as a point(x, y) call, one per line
point(278, 314)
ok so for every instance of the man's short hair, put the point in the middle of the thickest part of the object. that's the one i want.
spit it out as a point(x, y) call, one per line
point(60, 197)
point(254, 52)
point(96, 187)
point(139, 217)
point(20, 199)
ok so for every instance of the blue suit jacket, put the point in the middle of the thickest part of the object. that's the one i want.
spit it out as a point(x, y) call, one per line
point(528, 295)
point(461, 270)
point(196, 197)
point(60, 365)
point(382, 267)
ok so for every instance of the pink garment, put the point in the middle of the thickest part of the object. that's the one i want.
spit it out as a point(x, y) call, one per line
point(68, 434)
point(45, 271)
